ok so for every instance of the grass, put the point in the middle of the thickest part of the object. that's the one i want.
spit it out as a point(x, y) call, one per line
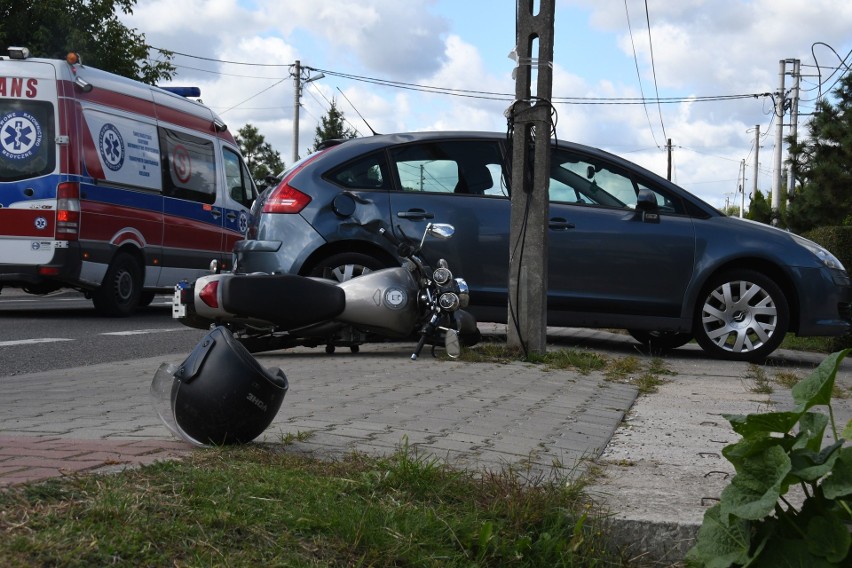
point(258, 505)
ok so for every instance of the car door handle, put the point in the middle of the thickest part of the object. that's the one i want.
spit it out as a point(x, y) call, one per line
point(216, 213)
point(559, 224)
point(415, 214)
point(231, 216)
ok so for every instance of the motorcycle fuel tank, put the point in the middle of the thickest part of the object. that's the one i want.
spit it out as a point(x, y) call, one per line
point(384, 301)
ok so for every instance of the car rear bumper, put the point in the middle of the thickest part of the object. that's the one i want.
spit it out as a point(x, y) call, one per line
point(281, 248)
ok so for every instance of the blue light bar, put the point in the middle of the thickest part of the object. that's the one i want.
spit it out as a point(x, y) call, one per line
point(194, 92)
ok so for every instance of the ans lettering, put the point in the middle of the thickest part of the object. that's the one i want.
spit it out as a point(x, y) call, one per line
point(18, 87)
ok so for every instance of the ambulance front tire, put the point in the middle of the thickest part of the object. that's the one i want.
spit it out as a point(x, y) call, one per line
point(121, 290)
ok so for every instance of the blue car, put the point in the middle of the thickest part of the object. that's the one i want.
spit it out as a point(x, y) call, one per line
point(627, 248)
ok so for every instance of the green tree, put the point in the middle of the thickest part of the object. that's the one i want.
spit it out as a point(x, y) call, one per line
point(759, 209)
point(91, 28)
point(333, 127)
point(822, 165)
point(261, 159)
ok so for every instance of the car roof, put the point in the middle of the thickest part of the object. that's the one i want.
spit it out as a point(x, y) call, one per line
point(353, 147)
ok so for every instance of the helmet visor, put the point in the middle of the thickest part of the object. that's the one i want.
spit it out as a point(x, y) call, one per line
point(163, 390)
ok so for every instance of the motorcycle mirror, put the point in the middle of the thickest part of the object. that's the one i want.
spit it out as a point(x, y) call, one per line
point(441, 230)
point(451, 343)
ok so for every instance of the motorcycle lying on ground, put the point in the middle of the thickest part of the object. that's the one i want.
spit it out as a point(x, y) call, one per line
point(277, 311)
point(220, 394)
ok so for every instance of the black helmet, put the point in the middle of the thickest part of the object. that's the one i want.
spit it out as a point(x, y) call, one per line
point(220, 394)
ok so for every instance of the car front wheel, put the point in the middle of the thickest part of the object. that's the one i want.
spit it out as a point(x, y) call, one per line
point(741, 315)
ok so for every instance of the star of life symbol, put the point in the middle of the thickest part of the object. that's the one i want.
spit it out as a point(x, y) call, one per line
point(40, 223)
point(111, 146)
point(243, 222)
point(20, 135)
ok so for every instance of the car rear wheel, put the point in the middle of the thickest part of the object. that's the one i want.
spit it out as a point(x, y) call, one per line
point(741, 315)
point(347, 265)
point(660, 340)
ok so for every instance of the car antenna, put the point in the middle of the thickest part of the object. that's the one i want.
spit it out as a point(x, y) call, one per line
point(358, 113)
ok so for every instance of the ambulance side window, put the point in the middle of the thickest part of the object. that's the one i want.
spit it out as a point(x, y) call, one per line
point(238, 180)
point(189, 166)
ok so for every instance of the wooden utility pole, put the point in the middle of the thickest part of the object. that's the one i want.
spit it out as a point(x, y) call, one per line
point(530, 115)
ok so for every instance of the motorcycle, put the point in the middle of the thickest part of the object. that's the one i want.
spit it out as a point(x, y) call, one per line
point(278, 311)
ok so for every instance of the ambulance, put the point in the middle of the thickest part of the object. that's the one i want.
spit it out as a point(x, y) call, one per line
point(110, 186)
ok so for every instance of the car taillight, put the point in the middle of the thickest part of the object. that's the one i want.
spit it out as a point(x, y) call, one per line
point(68, 211)
point(209, 294)
point(285, 199)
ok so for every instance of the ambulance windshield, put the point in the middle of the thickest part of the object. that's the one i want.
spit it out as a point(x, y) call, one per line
point(27, 139)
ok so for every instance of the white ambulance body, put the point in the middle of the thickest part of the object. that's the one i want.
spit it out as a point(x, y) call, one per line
point(111, 186)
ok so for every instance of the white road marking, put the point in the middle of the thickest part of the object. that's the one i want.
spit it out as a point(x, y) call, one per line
point(31, 341)
point(115, 333)
point(144, 331)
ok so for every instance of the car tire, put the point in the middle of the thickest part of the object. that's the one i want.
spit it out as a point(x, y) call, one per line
point(121, 288)
point(741, 315)
point(660, 340)
point(344, 266)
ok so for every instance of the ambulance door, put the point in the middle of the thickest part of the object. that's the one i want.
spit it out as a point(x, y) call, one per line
point(193, 220)
point(237, 198)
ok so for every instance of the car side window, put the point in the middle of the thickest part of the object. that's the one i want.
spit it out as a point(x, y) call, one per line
point(452, 167)
point(588, 181)
point(239, 184)
point(367, 172)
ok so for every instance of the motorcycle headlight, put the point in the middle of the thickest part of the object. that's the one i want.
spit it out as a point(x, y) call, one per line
point(442, 275)
point(463, 292)
point(449, 301)
point(824, 256)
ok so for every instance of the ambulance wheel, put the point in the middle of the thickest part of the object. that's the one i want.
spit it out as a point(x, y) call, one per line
point(121, 289)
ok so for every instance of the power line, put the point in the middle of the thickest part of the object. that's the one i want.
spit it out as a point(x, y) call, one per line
point(478, 94)
point(638, 74)
point(654, 69)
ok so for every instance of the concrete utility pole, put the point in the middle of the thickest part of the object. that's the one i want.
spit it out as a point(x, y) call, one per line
point(780, 97)
point(756, 159)
point(669, 153)
point(794, 119)
point(742, 191)
point(531, 116)
point(298, 80)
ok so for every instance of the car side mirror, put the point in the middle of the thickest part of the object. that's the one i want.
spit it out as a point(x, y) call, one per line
point(646, 206)
point(646, 200)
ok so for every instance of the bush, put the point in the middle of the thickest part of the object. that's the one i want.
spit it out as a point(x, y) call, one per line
point(838, 240)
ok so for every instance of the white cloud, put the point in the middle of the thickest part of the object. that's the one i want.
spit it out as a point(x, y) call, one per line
point(700, 47)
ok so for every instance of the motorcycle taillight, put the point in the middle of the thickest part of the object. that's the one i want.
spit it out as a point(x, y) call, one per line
point(210, 294)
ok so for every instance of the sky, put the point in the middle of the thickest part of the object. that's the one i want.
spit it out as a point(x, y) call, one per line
point(241, 53)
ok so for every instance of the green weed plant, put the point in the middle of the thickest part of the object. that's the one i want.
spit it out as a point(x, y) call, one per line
point(755, 524)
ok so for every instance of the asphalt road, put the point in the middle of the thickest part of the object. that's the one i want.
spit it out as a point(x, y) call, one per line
point(62, 330)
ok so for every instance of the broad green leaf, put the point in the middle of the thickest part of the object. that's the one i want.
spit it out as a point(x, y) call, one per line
point(740, 452)
point(720, 545)
point(847, 432)
point(811, 430)
point(817, 388)
point(839, 483)
point(753, 424)
point(828, 537)
point(810, 466)
point(787, 553)
point(756, 487)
